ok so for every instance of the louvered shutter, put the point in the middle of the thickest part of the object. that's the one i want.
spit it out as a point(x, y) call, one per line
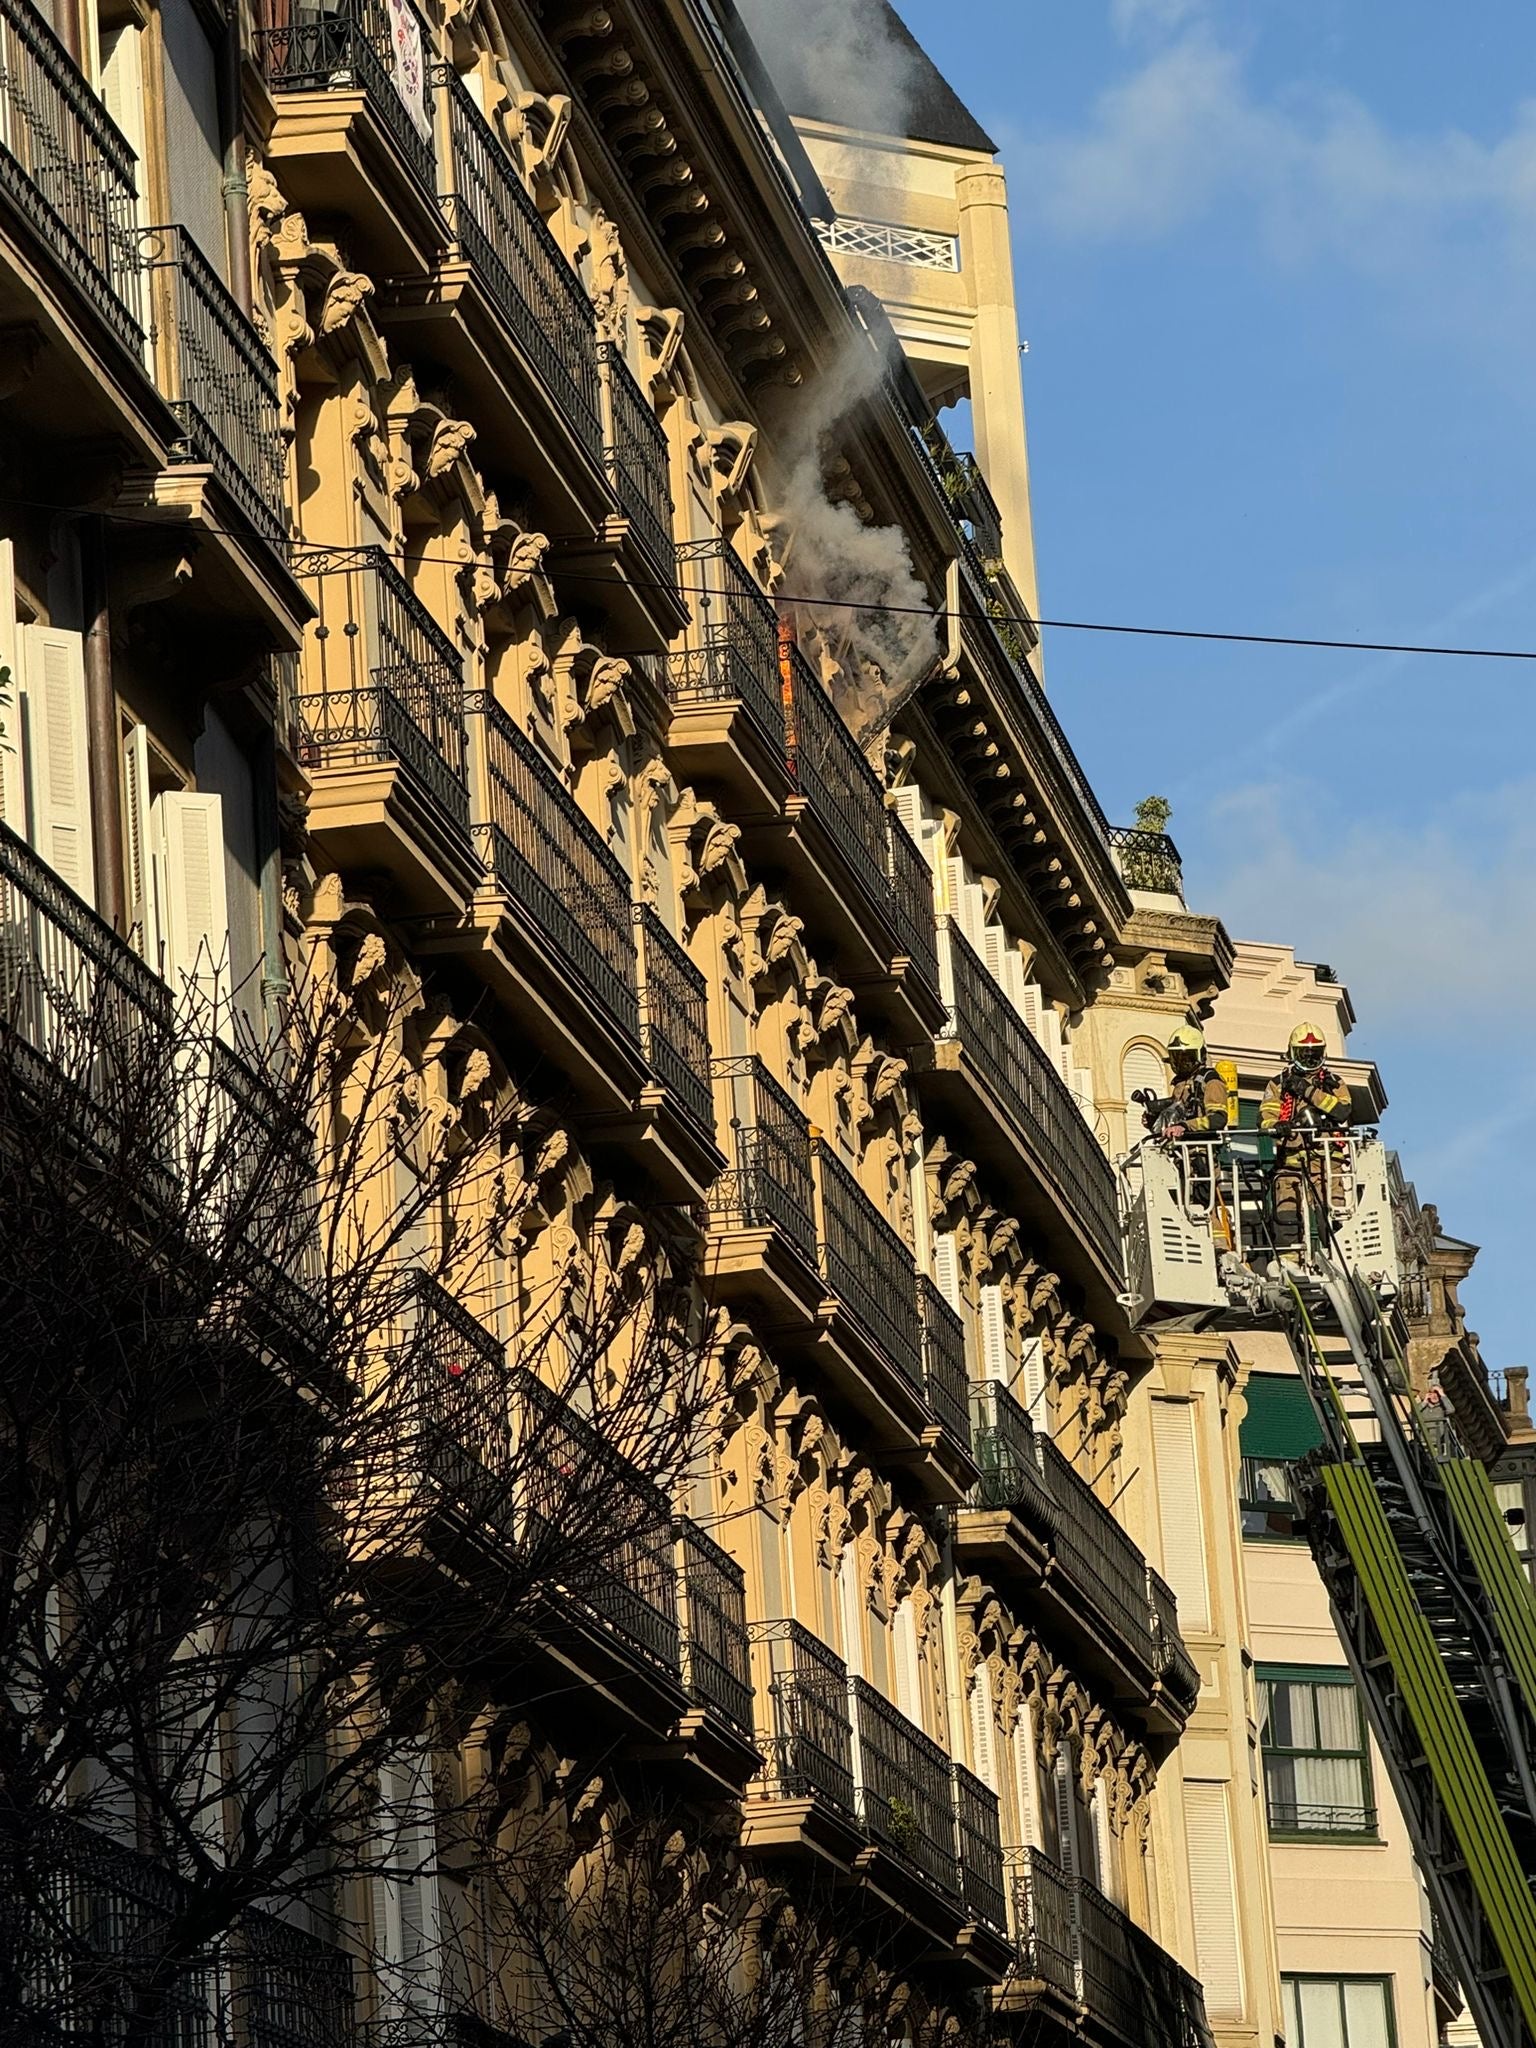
point(1179, 1510)
point(1218, 1957)
point(909, 1687)
point(1032, 1008)
point(954, 886)
point(58, 755)
point(1142, 1067)
point(907, 803)
point(1103, 1846)
point(1026, 1779)
point(946, 1272)
point(140, 866)
point(994, 1335)
point(1031, 1387)
point(407, 1905)
point(1068, 1848)
point(850, 1611)
point(190, 842)
point(983, 1749)
point(13, 778)
point(1082, 1088)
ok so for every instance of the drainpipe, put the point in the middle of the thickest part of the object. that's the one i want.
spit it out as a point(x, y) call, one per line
point(102, 723)
point(237, 192)
point(65, 18)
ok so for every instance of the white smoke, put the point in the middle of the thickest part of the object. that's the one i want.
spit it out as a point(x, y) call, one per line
point(872, 613)
point(836, 58)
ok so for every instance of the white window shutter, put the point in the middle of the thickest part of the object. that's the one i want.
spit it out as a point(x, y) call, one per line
point(1104, 1845)
point(59, 755)
point(909, 1687)
point(138, 847)
point(946, 1272)
point(995, 950)
point(13, 777)
point(1032, 1007)
point(994, 1335)
point(983, 1749)
point(1180, 1520)
point(122, 88)
point(1218, 1956)
point(954, 887)
point(190, 841)
point(407, 1906)
point(1032, 1379)
point(907, 803)
point(1026, 1779)
point(1141, 1068)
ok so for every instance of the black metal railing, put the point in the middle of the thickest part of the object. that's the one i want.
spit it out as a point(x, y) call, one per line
point(1019, 1075)
point(712, 1602)
point(1042, 1916)
point(452, 1384)
point(220, 378)
point(381, 681)
point(1101, 1562)
point(912, 903)
point(674, 1017)
point(549, 858)
point(65, 166)
point(1147, 860)
point(905, 1795)
point(1314, 1817)
point(768, 1181)
point(1175, 1668)
point(732, 655)
point(1007, 1452)
point(562, 1459)
point(537, 292)
point(800, 1692)
point(837, 781)
point(944, 1370)
point(867, 1264)
point(1129, 1982)
point(981, 1849)
point(294, 1988)
point(348, 46)
point(635, 457)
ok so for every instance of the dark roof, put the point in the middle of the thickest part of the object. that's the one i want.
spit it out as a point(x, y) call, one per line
point(935, 113)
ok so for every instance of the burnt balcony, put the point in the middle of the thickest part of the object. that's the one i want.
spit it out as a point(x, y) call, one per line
point(1020, 1116)
point(1079, 1951)
point(716, 1651)
point(728, 727)
point(354, 122)
point(944, 1369)
point(562, 928)
point(674, 1023)
point(762, 1209)
point(381, 708)
point(805, 1794)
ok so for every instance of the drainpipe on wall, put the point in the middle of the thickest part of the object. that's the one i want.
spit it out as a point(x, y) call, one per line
point(102, 723)
point(237, 192)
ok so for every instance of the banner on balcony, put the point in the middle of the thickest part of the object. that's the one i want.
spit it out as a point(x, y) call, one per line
point(410, 63)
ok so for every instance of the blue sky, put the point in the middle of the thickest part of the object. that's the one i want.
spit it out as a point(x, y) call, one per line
point(1276, 265)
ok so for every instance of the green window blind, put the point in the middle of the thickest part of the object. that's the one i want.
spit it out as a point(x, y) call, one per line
point(1279, 1425)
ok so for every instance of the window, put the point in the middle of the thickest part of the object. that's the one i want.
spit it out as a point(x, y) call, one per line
point(1338, 2012)
point(1513, 1506)
point(1317, 1769)
point(1277, 1431)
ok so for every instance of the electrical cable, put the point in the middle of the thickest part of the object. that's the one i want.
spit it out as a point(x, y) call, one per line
point(811, 600)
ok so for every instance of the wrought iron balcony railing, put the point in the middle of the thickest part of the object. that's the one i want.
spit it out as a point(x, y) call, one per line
point(562, 1457)
point(1007, 1451)
point(837, 781)
point(535, 289)
point(800, 1691)
point(867, 1264)
point(68, 170)
point(349, 46)
point(295, 1989)
point(717, 1658)
point(1147, 860)
point(1042, 1915)
point(549, 859)
point(1100, 1560)
point(981, 1849)
point(1037, 1102)
point(768, 1181)
point(944, 1370)
point(906, 1800)
point(1175, 1667)
point(451, 1420)
point(674, 1017)
point(219, 376)
point(733, 649)
point(382, 681)
point(912, 901)
point(635, 457)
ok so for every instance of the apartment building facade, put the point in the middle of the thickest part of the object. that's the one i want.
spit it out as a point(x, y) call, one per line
point(443, 468)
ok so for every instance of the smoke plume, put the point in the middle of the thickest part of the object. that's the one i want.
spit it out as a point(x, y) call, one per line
point(834, 58)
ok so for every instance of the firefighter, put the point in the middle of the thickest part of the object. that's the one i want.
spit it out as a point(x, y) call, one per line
point(1303, 1101)
point(1196, 1106)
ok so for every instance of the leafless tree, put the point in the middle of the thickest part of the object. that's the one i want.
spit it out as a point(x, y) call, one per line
point(272, 1505)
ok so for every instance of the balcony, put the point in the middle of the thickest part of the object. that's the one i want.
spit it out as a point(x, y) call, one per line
point(1020, 1116)
point(70, 274)
point(1032, 1515)
point(353, 133)
point(634, 572)
point(295, 1989)
point(762, 1209)
point(1147, 861)
point(728, 728)
point(867, 1266)
point(674, 1023)
point(716, 1653)
point(916, 933)
point(804, 1796)
point(944, 1369)
point(1078, 1951)
point(905, 1792)
point(982, 1879)
point(381, 709)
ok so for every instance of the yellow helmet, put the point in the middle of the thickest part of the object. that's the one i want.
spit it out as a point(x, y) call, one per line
point(1307, 1047)
point(1188, 1038)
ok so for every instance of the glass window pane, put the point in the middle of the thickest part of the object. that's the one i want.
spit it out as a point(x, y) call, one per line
point(1322, 2012)
point(1338, 1717)
point(1365, 2013)
point(1292, 2012)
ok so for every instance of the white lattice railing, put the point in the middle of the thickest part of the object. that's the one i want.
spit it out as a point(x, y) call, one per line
point(890, 244)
